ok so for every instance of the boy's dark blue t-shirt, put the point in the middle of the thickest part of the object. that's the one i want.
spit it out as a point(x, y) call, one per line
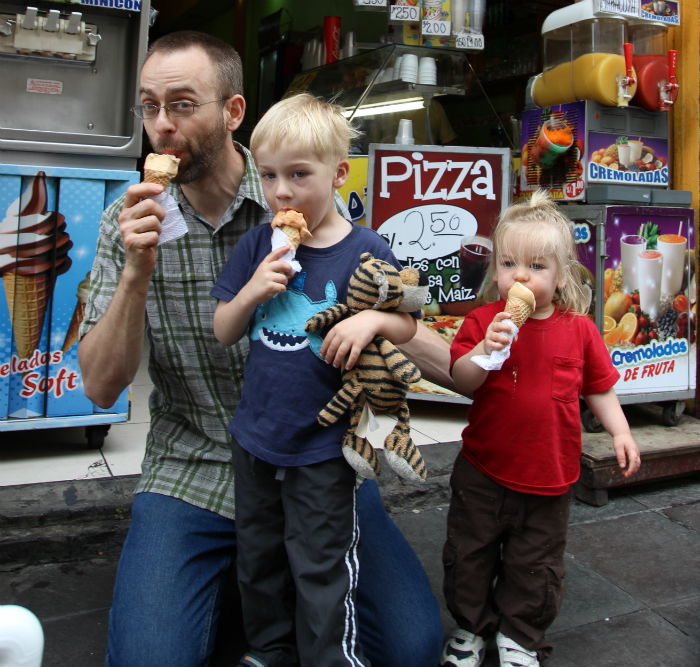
point(286, 383)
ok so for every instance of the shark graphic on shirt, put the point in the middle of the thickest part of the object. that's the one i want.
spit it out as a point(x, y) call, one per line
point(279, 323)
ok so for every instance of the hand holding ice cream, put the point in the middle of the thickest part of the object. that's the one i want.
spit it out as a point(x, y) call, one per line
point(520, 304)
point(289, 228)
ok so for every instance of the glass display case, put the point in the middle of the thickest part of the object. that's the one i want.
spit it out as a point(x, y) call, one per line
point(379, 87)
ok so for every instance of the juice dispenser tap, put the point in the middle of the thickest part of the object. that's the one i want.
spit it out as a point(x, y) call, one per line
point(668, 90)
point(625, 83)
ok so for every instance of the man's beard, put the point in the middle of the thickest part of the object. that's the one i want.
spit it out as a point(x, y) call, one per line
point(204, 157)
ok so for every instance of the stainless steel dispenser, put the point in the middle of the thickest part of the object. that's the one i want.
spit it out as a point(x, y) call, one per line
point(69, 78)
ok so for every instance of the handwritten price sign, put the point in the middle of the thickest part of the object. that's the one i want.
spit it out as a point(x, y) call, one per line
point(436, 28)
point(404, 13)
point(470, 40)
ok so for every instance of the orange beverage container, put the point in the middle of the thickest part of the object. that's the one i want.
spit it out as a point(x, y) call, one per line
point(583, 58)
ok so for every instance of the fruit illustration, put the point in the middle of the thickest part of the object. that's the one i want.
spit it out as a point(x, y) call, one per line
point(617, 305)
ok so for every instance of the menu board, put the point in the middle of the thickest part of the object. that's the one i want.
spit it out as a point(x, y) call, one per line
point(436, 207)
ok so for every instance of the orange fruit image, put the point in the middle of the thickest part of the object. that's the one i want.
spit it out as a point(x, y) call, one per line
point(627, 326)
point(608, 324)
point(623, 333)
point(617, 305)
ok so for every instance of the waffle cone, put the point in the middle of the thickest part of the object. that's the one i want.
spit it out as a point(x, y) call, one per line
point(74, 326)
point(520, 304)
point(160, 177)
point(293, 236)
point(27, 297)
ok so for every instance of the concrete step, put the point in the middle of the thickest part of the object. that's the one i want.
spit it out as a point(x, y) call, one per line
point(61, 521)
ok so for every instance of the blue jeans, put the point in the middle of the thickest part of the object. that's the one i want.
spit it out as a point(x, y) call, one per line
point(176, 570)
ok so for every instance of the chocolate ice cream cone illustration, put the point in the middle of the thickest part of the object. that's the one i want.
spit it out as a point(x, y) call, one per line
point(33, 251)
point(293, 224)
point(78, 314)
point(160, 168)
point(520, 303)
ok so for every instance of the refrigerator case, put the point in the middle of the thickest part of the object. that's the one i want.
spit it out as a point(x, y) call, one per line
point(48, 234)
point(638, 263)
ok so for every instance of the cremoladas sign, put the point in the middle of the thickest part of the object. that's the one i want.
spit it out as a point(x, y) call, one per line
point(429, 202)
point(129, 5)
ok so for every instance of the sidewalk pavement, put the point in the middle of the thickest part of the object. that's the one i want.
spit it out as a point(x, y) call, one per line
point(632, 588)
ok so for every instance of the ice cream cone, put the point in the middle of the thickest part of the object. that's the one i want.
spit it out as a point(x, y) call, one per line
point(293, 225)
point(520, 303)
point(160, 169)
point(150, 176)
point(27, 297)
point(73, 327)
point(78, 314)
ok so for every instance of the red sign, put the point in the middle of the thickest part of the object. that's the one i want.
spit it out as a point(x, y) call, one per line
point(436, 207)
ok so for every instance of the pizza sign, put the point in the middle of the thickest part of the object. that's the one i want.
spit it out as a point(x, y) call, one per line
point(436, 207)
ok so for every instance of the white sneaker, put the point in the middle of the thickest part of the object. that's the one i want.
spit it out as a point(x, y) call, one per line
point(463, 649)
point(511, 654)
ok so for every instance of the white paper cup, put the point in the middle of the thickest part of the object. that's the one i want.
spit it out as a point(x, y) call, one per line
point(630, 246)
point(649, 268)
point(672, 248)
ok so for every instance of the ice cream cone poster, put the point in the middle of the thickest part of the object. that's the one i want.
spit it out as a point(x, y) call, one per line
point(49, 220)
point(649, 294)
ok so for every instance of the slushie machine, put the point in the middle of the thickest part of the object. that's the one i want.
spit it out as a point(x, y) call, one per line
point(68, 148)
point(595, 135)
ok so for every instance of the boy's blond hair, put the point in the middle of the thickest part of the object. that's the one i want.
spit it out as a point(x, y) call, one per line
point(308, 123)
point(539, 228)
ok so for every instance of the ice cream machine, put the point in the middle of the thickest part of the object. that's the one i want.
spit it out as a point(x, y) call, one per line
point(68, 148)
point(69, 80)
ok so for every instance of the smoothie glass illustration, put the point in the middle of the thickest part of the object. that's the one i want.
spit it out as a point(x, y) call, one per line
point(649, 268)
point(474, 256)
point(630, 246)
point(635, 150)
point(624, 154)
point(672, 248)
point(554, 139)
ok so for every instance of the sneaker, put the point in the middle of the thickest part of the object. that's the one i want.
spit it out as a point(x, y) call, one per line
point(511, 654)
point(249, 660)
point(463, 649)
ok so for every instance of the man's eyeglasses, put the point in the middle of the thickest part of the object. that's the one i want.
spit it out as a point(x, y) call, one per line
point(183, 108)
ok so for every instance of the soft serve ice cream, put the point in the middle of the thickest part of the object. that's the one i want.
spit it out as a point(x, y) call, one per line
point(33, 251)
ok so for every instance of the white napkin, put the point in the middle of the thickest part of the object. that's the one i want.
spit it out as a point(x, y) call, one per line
point(279, 239)
point(173, 225)
point(495, 360)
point(368, 422)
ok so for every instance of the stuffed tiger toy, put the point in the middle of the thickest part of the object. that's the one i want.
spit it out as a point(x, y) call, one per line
point(380, 378)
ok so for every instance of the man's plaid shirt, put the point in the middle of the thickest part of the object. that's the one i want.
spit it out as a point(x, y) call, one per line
point(197, 381)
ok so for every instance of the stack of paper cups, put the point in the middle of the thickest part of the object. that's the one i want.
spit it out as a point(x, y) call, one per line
point(432, 10)
point(404, 135)
point(397, 68)
point(409, 68)
point(476, 10)
point(427, 71)
point(458, 11)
